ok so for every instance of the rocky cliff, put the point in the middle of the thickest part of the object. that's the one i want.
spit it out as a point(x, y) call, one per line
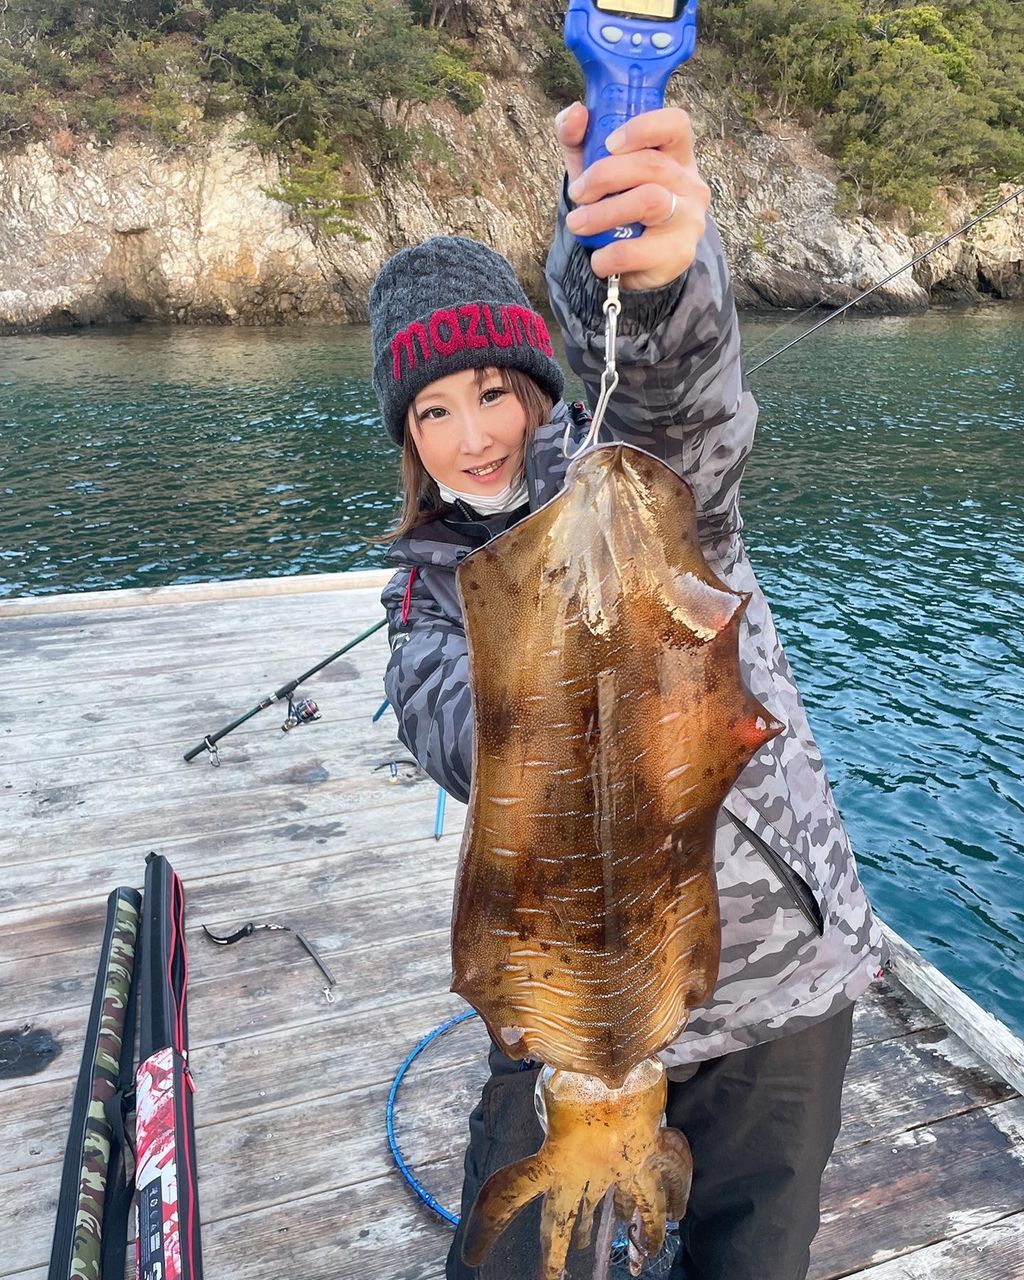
point(92, 233)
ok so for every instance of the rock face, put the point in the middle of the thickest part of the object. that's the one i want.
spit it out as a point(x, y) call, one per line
point(139, 230)
point(989, 260)
point(135, 231)
point(776, 205)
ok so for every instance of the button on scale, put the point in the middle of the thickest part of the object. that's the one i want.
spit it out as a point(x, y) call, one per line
point(612, 34)
point(661, 40)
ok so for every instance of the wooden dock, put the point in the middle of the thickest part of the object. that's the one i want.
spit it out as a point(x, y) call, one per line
point(102, 695)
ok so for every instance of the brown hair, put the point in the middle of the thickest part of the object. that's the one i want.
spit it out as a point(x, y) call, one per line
point(421, 500)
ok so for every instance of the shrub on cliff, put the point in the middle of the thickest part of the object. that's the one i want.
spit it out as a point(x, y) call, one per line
point(310, 184)
point(303, 68)
point(904, 95)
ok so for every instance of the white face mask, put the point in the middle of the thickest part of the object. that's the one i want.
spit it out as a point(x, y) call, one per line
point(512, 496)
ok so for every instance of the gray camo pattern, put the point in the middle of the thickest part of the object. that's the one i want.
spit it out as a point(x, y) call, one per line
point(682, 397)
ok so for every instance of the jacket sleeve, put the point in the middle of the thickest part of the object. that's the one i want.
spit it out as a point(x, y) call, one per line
point(682, 394)
point(427, 681)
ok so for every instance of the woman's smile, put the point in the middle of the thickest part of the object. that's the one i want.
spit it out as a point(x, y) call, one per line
point(489, 471)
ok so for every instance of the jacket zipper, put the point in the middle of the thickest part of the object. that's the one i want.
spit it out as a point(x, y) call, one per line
point(798, 892)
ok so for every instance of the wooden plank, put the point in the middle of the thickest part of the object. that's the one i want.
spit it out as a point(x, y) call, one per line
point(169, 655)
point(280, 1005)
point(322, 882)
point(195, 635)
point(127, 678)
point(437, 1178)
point(235, 997)
point(377, 1223)
point(186, 624)
point(302, 1236)
point(887, 1198)
point(185, 700)
point(275, 834)
point(434, 1103)
point(178, 717)
point(181, 622)
point(198, 592)
point(101, 854)
point(221, 896)
point(887, 1010)
point(273, 641)
point(259, 627)
point(262, 1074)
point(126, 782)
point(377, 1227)
point(431, 1121)
point(986, 1035)
point(62, 981)
point(918, 1079)
point(253, 1162)
point(928, 1081)
point(993, 1252)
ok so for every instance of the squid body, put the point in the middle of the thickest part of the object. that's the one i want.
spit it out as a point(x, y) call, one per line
point(611, 720)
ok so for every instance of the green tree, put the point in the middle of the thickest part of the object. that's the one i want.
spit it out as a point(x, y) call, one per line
point(346, 69)
point(311, 185)
point(904, 95)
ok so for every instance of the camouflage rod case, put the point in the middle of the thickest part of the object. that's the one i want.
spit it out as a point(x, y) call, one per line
point(95, 1196)
point(165, 1177)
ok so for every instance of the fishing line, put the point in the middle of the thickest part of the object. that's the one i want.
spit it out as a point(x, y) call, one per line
point(1014, 195)
point(769, 338)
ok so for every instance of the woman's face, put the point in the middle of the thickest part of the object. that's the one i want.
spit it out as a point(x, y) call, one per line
point(470, 432)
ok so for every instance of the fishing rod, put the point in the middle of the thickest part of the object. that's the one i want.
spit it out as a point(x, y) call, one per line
point(1014, 195)
point(303, 712)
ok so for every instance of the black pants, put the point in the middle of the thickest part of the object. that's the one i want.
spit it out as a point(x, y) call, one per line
point(761, 1124)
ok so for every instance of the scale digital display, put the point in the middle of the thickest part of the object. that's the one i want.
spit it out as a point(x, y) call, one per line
point(663, 10)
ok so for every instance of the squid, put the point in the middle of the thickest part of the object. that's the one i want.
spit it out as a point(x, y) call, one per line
point(610, 722)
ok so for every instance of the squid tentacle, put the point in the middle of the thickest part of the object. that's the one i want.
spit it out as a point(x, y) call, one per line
point(596, 1138)
point(504, 1195)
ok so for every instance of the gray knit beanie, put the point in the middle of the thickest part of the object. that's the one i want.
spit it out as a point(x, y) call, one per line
point(446, 305)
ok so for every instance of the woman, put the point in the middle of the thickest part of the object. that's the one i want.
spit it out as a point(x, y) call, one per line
point(465, 375)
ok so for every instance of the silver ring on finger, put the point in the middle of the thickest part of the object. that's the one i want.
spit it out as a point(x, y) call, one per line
point(672, 210)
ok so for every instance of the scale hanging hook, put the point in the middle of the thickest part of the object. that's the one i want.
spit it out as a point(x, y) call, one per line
point(610, 374)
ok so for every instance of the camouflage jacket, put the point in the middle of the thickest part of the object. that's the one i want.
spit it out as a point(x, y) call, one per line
point(799, 940)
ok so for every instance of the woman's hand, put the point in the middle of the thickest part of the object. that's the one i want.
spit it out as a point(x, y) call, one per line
point(650, 177)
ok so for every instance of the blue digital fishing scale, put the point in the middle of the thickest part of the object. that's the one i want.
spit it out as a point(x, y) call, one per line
point(627, 50)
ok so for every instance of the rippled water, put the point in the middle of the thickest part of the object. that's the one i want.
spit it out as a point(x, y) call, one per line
point(883, 507)
point(884, 516)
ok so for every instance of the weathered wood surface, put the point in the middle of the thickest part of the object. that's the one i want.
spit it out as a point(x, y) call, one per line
point(296, 1179)
point(978, 1029)
point(985, 1253)
point(193, 593)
